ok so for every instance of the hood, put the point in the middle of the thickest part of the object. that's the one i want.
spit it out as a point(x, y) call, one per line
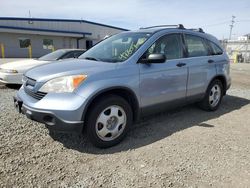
point(68, 67)
point(22, 65)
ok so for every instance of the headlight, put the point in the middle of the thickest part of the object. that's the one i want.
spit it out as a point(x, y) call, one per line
point(24, 79)
point(8, 71)
point(63, 84)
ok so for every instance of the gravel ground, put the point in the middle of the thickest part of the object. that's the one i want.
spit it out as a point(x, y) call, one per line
point(186, 147)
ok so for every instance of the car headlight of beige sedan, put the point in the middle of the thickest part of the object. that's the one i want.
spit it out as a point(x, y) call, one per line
point(8, 71)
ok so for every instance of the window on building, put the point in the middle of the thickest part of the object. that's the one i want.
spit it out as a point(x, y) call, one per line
point(24, 42)
point(48, 44)
point(196, 46)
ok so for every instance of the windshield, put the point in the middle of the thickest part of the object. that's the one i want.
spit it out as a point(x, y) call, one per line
point(53, 55)
point(117, 48)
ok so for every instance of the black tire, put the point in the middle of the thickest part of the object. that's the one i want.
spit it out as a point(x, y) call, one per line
point(205, 104)
point(96, 109)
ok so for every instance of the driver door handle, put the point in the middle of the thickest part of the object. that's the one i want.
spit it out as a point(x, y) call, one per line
point(210, 61)
point(180, 64)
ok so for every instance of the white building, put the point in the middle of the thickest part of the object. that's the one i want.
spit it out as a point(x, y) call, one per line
point(244, 37)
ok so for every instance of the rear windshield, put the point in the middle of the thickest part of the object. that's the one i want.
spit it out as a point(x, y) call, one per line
point(53, 55)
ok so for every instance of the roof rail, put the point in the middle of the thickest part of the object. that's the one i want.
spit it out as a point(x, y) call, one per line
point(179, 26)
point(197, 29)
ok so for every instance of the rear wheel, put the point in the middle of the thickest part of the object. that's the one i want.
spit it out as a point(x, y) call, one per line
point(108, 121)
point(213, 97)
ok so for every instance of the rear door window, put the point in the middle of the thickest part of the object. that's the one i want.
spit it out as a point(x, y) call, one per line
point(196, 46)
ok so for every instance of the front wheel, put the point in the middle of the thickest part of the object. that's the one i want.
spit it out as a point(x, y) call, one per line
point(213, 96)
point(108, 121)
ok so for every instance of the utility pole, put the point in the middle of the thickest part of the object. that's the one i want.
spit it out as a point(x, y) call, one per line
point(246, 57)
point(231, 26)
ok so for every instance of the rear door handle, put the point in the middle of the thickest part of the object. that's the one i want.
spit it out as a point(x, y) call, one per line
point(210, 61)
point(180, 64)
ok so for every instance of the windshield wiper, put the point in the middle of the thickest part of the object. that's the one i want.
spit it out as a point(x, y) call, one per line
point(92, 58)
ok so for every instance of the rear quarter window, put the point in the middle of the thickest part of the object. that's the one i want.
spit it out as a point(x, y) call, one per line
point(216, 50)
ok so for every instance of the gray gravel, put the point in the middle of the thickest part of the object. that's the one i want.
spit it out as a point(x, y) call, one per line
point(186, 147)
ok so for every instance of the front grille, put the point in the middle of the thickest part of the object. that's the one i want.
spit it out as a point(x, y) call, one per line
point(37, 95)
point(28, 88)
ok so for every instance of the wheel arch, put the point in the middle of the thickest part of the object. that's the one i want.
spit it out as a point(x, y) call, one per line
point(123, 92)
point(222, 78)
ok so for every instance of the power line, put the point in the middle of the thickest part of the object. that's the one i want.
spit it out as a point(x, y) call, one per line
point(224, 23)
point(242, 21)
point(216, 24)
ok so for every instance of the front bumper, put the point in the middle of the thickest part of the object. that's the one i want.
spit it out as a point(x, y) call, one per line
point(11, 78)
point(49, 118)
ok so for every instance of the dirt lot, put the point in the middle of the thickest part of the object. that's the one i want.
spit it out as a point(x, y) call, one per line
point(186, 147)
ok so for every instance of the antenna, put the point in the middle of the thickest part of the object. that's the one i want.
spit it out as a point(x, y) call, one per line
point(231, 27)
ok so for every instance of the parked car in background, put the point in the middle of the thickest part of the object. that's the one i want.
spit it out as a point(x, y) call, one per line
point(11, 73)
point(124, 77)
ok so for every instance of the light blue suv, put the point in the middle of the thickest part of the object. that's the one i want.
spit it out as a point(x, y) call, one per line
point(125, 77)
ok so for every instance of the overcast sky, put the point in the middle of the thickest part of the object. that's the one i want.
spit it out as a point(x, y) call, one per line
point(212, 15)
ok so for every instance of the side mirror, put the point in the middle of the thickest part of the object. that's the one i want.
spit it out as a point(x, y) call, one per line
point(154, 58)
